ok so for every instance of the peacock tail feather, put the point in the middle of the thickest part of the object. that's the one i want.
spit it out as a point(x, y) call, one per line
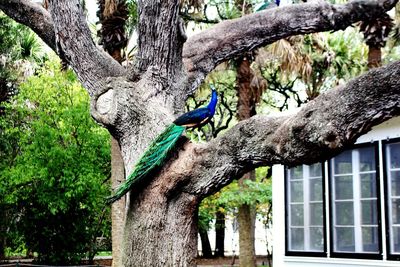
point(154, 157)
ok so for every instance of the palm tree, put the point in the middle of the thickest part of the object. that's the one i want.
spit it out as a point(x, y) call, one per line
point(113, 15)
point(395, 37)
point(376, 33)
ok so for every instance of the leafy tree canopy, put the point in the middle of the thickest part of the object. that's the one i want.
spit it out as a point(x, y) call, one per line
point(55, 168)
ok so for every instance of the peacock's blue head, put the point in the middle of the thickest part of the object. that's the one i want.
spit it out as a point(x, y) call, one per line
point(214, 99)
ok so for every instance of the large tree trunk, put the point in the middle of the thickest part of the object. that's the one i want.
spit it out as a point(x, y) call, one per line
point(162, 230)
point(247, 97)
point(136, 104)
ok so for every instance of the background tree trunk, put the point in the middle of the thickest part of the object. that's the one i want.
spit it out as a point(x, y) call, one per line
point(118, 207)
point(246, 214)
point(112, 16)
point(374, 56)
point(205, 244)
point(246, 219)
point(219, 234)
point(3, 229)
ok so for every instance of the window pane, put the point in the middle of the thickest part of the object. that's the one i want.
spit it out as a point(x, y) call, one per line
point(354, 201)
point(296, 172)
point(396, 211)
point(392, 163)
point(316, 189)
point(369, 212)
point(344, 187)
point(368, 185)
point(344, 213)
point(297, 214)
point(305, 208)
point(367, 159)
point(395, 178)
point(396, 239)
point(316, 170)
point(297, 238)
point(317, 238)
point(316, 214)
point(344, 239)
point(370, 239)
point(296, 191)
point(343, 163)
point(394, 155)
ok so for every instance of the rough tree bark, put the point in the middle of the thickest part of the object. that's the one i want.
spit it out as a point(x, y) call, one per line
point(136, 104)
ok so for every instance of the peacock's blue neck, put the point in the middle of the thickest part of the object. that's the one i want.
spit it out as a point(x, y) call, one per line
point(213, 102)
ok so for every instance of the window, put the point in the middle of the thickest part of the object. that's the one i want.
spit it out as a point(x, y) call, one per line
point(354, 188)
point(355, 228)
point(305, 209)
point(392, 174)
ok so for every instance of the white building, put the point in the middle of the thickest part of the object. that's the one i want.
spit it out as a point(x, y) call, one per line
point(341, 212)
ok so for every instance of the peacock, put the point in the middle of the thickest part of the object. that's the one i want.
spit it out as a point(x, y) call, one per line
point(157, 153)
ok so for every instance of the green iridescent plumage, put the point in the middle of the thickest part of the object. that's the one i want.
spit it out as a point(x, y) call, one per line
point(152, 158)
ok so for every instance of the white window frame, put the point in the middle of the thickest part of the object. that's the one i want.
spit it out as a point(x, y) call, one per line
point(306, 210)
point(357, 209)
point(388, 171)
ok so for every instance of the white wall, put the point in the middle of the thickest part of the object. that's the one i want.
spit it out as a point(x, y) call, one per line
point(387, 130)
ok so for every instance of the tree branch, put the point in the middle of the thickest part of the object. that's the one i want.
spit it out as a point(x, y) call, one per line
point(226, 40)
point(321, 129)
point(74, 40)
point(32, 15)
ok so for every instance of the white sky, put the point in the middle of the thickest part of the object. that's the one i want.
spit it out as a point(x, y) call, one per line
point(91, 6)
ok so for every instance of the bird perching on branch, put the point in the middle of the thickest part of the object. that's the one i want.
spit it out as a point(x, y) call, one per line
point(158, 151)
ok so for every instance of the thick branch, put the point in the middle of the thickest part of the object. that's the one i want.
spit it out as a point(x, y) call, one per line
point(32, 15)
point(74, 41)
point(321, 129)
point(229, 39)
point(160, 37)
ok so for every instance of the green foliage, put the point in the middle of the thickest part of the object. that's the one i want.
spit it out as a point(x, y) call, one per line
point(256, 193)
point(56, 160)
point(17, 41)
point(232, 9)
point(226, 9)
point(344, 61)
point(133, 17)
point(20, 50)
